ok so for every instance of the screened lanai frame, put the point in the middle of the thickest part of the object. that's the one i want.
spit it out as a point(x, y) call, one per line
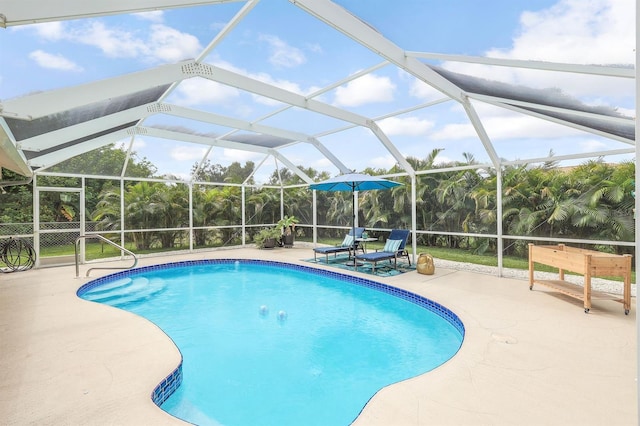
point(33, 140)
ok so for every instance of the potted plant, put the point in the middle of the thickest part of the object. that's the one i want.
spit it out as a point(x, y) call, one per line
point(267, 238)
point(287, 227)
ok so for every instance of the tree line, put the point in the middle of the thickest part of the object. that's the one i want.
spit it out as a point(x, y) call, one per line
point(593, 200)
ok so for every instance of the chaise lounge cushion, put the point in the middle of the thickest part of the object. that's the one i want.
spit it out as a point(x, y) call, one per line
point(348, 241)
point(393, 249)
point(392, 246)
point(347, 245)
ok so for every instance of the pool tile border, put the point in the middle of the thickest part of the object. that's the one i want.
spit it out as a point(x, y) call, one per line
point(171, 383)
point(168, 386)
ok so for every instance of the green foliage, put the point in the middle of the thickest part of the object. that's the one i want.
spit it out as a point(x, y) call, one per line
point(287, 224)
point(108, 160)
point(15, 199)
point(591, 201)
point(216, 173)
point(266, 234)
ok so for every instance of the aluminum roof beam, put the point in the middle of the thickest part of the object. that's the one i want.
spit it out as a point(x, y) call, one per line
point(12, 158)
point(78, 137)
point(482, 133)
point(342, 20)
point(602, 70)
point(60, 155)
point(260, 88)
point(218, 142)
point(520, 108)
point(25, 12)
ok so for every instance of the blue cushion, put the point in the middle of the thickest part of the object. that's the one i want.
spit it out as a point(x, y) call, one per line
point(392, 246)
point(375, 256)
point(331, 249)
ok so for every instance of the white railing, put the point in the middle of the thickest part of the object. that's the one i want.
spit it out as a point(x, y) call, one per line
point(108, 241)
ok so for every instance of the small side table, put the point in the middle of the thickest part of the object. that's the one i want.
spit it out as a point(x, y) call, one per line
point(364, 242)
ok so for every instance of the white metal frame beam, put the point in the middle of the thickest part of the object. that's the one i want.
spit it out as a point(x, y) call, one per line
point(54, 101)
point(56, 137)
point(217, 39)
point(272, 92)
point(217, 142)
point(23, 12)
point(482, 133)
point(53, 158)
point(602, 70)
point(512, 106)
point(502, 102)
point(53, 138)
point(12, 158)
point(342, 20)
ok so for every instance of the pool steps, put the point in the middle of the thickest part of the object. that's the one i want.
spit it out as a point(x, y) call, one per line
point(126, 291)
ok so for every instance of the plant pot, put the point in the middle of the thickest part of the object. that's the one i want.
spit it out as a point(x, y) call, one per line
point(287, 240)
point(269, 243)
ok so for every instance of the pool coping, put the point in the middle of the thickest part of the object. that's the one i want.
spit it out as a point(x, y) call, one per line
point(528, 357)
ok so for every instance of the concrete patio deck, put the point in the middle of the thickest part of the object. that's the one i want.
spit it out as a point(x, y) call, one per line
point(528, 358)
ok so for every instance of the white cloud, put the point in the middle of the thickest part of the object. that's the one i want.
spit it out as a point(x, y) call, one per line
point(629, 112)
point(363, 90)
point(265, 78)
point(506, 126)
point(138, 144)
point(52, 61)
point(187, 153)
point(412, 126)
point(591, 145)
point(442, 159)
point(282, 54)
point(592, 32)
point(314, 47)
point(571, 31)
point(260, 76)
point(421, 90)
point(232, 155)
point(198, 91)
point(320, 164)
point(526, 127)
point(113, 43)
point(382, 162)
point(170, 45)
point(163, 43)
point(48, 31)
point(153, 16)
point(455, 131)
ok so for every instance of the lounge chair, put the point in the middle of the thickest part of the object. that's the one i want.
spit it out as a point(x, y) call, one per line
point(394, 248)
point(348, 244)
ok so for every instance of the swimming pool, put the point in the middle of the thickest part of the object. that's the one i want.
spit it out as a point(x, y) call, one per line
point(272, 343)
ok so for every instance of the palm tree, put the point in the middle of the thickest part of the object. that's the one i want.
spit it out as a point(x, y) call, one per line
point(604, 208)
point(263, 206)
point(141, 205)
point(172, 212)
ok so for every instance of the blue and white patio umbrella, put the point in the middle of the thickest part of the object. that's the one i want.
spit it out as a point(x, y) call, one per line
point(354, 182)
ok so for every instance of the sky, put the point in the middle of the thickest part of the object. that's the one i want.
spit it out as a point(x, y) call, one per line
point(281, 44)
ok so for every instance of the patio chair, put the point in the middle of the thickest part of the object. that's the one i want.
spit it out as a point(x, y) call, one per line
point(348, 244)
point(394, 248)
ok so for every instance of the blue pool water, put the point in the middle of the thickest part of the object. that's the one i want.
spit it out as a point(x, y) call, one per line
point(266, 343)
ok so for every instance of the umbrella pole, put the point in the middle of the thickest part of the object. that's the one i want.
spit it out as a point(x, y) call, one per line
point(353, 226)
point(353, 219)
